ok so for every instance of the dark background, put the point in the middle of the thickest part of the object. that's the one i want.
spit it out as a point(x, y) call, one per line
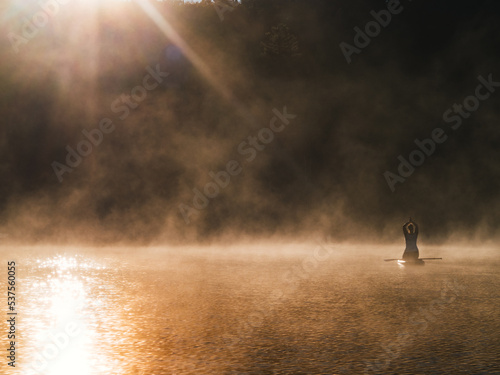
point(323, 175)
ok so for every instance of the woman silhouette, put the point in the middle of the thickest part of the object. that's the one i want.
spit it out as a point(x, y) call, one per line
point(410, 230)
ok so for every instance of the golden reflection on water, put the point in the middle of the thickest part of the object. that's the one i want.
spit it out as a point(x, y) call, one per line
point(59, 337)
point(163, 311)
point(100, 313)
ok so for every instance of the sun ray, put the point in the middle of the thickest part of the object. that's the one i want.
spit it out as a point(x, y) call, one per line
point(171, 34)
point(194, 58)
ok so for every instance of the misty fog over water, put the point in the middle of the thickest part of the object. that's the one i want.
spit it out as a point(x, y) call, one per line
point(213, 187)
point(211, 84)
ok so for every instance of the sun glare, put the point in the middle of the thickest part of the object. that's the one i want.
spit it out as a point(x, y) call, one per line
point(62, 337)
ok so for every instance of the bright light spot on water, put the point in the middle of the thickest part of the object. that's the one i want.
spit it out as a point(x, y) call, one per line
point(62, 338)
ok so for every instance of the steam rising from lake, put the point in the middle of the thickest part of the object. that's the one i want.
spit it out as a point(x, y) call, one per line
point(322, 175)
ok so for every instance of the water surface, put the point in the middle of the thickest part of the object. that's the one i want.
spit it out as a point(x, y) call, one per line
point(256, 309)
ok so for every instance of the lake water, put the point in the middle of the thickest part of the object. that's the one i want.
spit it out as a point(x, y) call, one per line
point(256, 309)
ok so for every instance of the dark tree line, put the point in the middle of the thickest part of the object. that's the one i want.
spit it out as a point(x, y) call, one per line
point(325, 172)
